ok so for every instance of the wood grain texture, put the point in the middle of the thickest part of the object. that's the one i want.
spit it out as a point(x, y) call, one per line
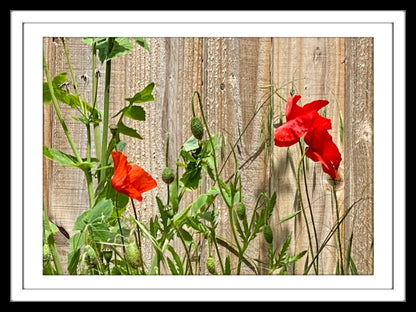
point(234, 71)
point(312, 68)
point(230, 74)
point(359, 152)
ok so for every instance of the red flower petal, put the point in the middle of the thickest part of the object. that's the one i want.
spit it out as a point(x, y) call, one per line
point(298, 121)
point(291, 131)
point(293, 110)
point(321, 147)
point(140, 182)
point(119, 181)
point(131, 180)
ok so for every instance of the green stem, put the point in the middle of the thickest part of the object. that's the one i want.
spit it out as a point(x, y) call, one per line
point(304, 213)
point(97, 132)
point(331, 233)
point(88, 142)
point(309, 203)
point(51, 242)
point(338, 229)
point(139, 240)
point(90, 186)
point(188, 256)
point(106, 109)
point(217, 177)
point(58, 112)
point(121, 234)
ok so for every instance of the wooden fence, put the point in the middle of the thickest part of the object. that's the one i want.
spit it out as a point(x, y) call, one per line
point(234, 77)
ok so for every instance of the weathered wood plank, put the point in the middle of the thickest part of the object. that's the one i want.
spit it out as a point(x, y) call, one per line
point(359, 154)
point(174, 65)
point(234, 71)
point(312, 68)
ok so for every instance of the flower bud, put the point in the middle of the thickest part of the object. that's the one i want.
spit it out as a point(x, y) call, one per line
point(211, 265)
point(167, 175)
point(133, 257)
point(197, 128)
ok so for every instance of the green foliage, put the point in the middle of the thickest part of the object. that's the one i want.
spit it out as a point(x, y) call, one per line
point(108, 239)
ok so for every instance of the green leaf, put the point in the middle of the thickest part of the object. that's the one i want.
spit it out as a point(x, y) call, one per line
point(185, 235)
point(270, 205)
point(292, 215)
point(47, 97)
point(172, 267)
point(66, 159)
point(180, 217)
point(100, 212)
point(178, 261)
point(141, 42)
point(59, 157)
point(92, 40)
point(57, 82)
point(199, 203)
point(121, 46)
point(122, 128)
point(135, 112)
point(227, 269)
point(76, 241)
point(143, 96)
point(73, 259)
point(191, 177)
point(191, 144)
point(298, 256)
point(237, 225)
point(226, 193)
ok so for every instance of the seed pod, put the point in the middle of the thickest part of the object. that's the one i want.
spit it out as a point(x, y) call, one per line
point(167, 175)
point(241, 210)
point(268, 234)
point(133, 256)
point(197, 128)
point(211, 265)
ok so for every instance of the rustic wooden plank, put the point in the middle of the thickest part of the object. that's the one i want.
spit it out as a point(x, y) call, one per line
point(234, 71)
point(359, 153)
point(311, 67)
point(174, 65)
point(67, 196)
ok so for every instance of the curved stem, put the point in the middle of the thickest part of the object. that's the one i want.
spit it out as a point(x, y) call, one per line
point(121, 233)
point(309, 203)
point(217, 177)
point(304, 213)
point(338, 229)
point(139, 241)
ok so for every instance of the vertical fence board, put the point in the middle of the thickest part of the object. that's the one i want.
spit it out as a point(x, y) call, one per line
point(234, 71)
point(359, 150)
point(312, 68)
point(174, 65)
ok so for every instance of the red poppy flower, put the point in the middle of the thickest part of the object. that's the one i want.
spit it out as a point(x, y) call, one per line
point(130, 180)
point(298, 121)
point(321, 147)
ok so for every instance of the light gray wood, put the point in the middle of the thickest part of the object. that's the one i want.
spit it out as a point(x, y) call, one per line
point(359, 153)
